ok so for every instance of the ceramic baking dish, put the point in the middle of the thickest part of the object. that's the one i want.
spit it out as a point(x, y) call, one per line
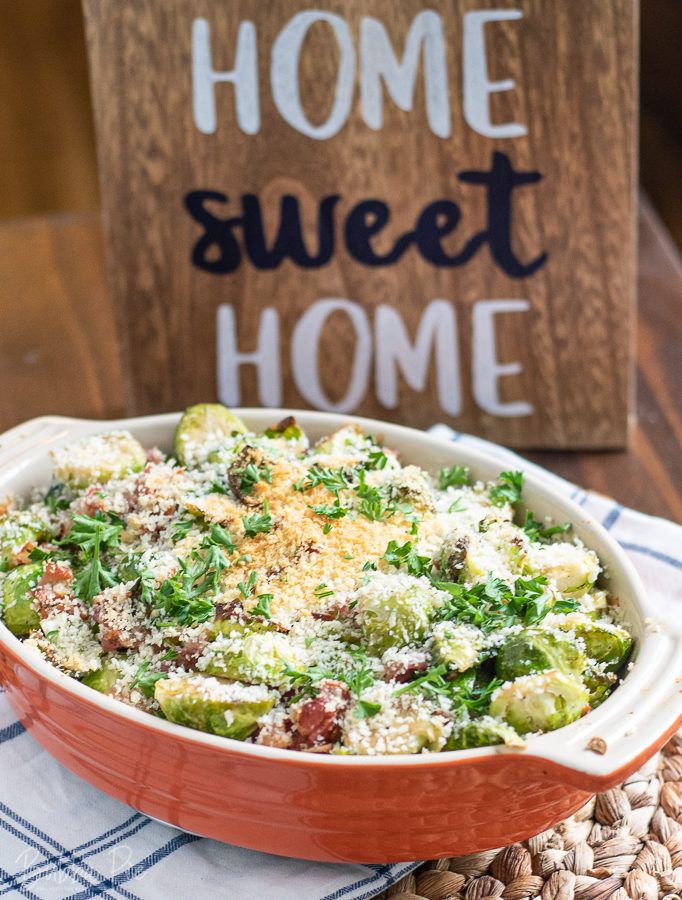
point(338, 808)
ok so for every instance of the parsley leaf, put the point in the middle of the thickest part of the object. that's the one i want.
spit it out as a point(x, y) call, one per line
point(536, 532)
point(331, 510)
point(258, 523)
point(407, 554)
point(320, 592)
point(251, 474)
point(366, 710)
point(54, 499)
point(497, 605)
point(509, 490)
point(454, 476)
point(94, 536)
point(146, 680)
point(262, 607)
point(333, 480)
point(247, 589)
point(181, 530)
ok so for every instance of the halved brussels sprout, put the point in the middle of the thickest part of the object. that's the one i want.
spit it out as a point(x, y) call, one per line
point(501, 548)
point(103, 678)
point(17, 613)
point(598, 684)
point(604, 643)
point(402, 724)
point(458, 646)
point(400, 618)
point(230, 710)
point(483, 732)
point(570, 566)
point(533, 650)
point(205, 422)
point(16, 530)
point(97, 459)
point(288, 429)
point(409, 485)
point(348, 437)
point(259, 657)
point(540, 702)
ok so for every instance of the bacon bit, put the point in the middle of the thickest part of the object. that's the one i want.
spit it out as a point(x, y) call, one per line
point(275, 735)
point(317, 722)
point(23, 557)
point(6, 505)
point(191, 651)
point(597, 745)
point(91, 503)
point(323, 617)
point(120, 628)
point(154, 455)
point(401, 671)
point(53, 593)
point(57, 571)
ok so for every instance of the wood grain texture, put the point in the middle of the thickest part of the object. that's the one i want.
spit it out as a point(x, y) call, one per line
point(47, 136)
point(574, 67)
point(58, 352)
point(58, 349)
point(649, 476)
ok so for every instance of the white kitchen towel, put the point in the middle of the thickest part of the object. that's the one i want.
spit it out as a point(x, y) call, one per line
point(61, 839)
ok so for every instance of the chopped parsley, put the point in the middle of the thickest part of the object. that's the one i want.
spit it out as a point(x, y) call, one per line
point(94, 536)
point(262, 607)
point(537, 532)
point(510, 489)
point(455, 476)
point(146, 680)
point(406, 554)
point(258, 523)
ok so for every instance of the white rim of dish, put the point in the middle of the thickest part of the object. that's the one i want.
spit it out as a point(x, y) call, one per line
point(646, 705)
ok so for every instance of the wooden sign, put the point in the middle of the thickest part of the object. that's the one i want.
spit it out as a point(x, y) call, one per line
point(417, 212)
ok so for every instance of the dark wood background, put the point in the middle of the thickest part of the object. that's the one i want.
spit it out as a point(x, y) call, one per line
point(574, 343)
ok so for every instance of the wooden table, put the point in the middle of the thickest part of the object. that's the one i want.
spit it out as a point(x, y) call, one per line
point(58, 351)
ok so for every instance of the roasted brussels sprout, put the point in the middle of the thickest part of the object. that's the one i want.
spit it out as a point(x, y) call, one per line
point(203, 423)
point(502, 549)
point(540, 702)
point(16, 530)
point(258, 657)
point(603, 643)
point(458, 646)
point(571, 567)
point(288, 429)
point(17, 612)
point(97, 459)
point(401, 724)
point(349, 438)
point(103, 678)
point(230, 710)
point(482, 732)
point(396, 619)
point(534, 650)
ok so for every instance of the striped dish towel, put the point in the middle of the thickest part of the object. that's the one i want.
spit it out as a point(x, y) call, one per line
point(61, 839)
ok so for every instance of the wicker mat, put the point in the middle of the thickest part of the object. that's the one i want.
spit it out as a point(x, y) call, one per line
point(625, 844)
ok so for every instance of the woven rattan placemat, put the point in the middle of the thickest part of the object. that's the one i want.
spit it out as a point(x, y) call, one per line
point(625, 844)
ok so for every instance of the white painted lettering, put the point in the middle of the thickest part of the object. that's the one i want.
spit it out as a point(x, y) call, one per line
point(266, 358)
point(305, 343)
point(476, 85)
point(244, 77)
point(486, 369)
point(377, 61)
point(394, 351)
point(284, 74)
